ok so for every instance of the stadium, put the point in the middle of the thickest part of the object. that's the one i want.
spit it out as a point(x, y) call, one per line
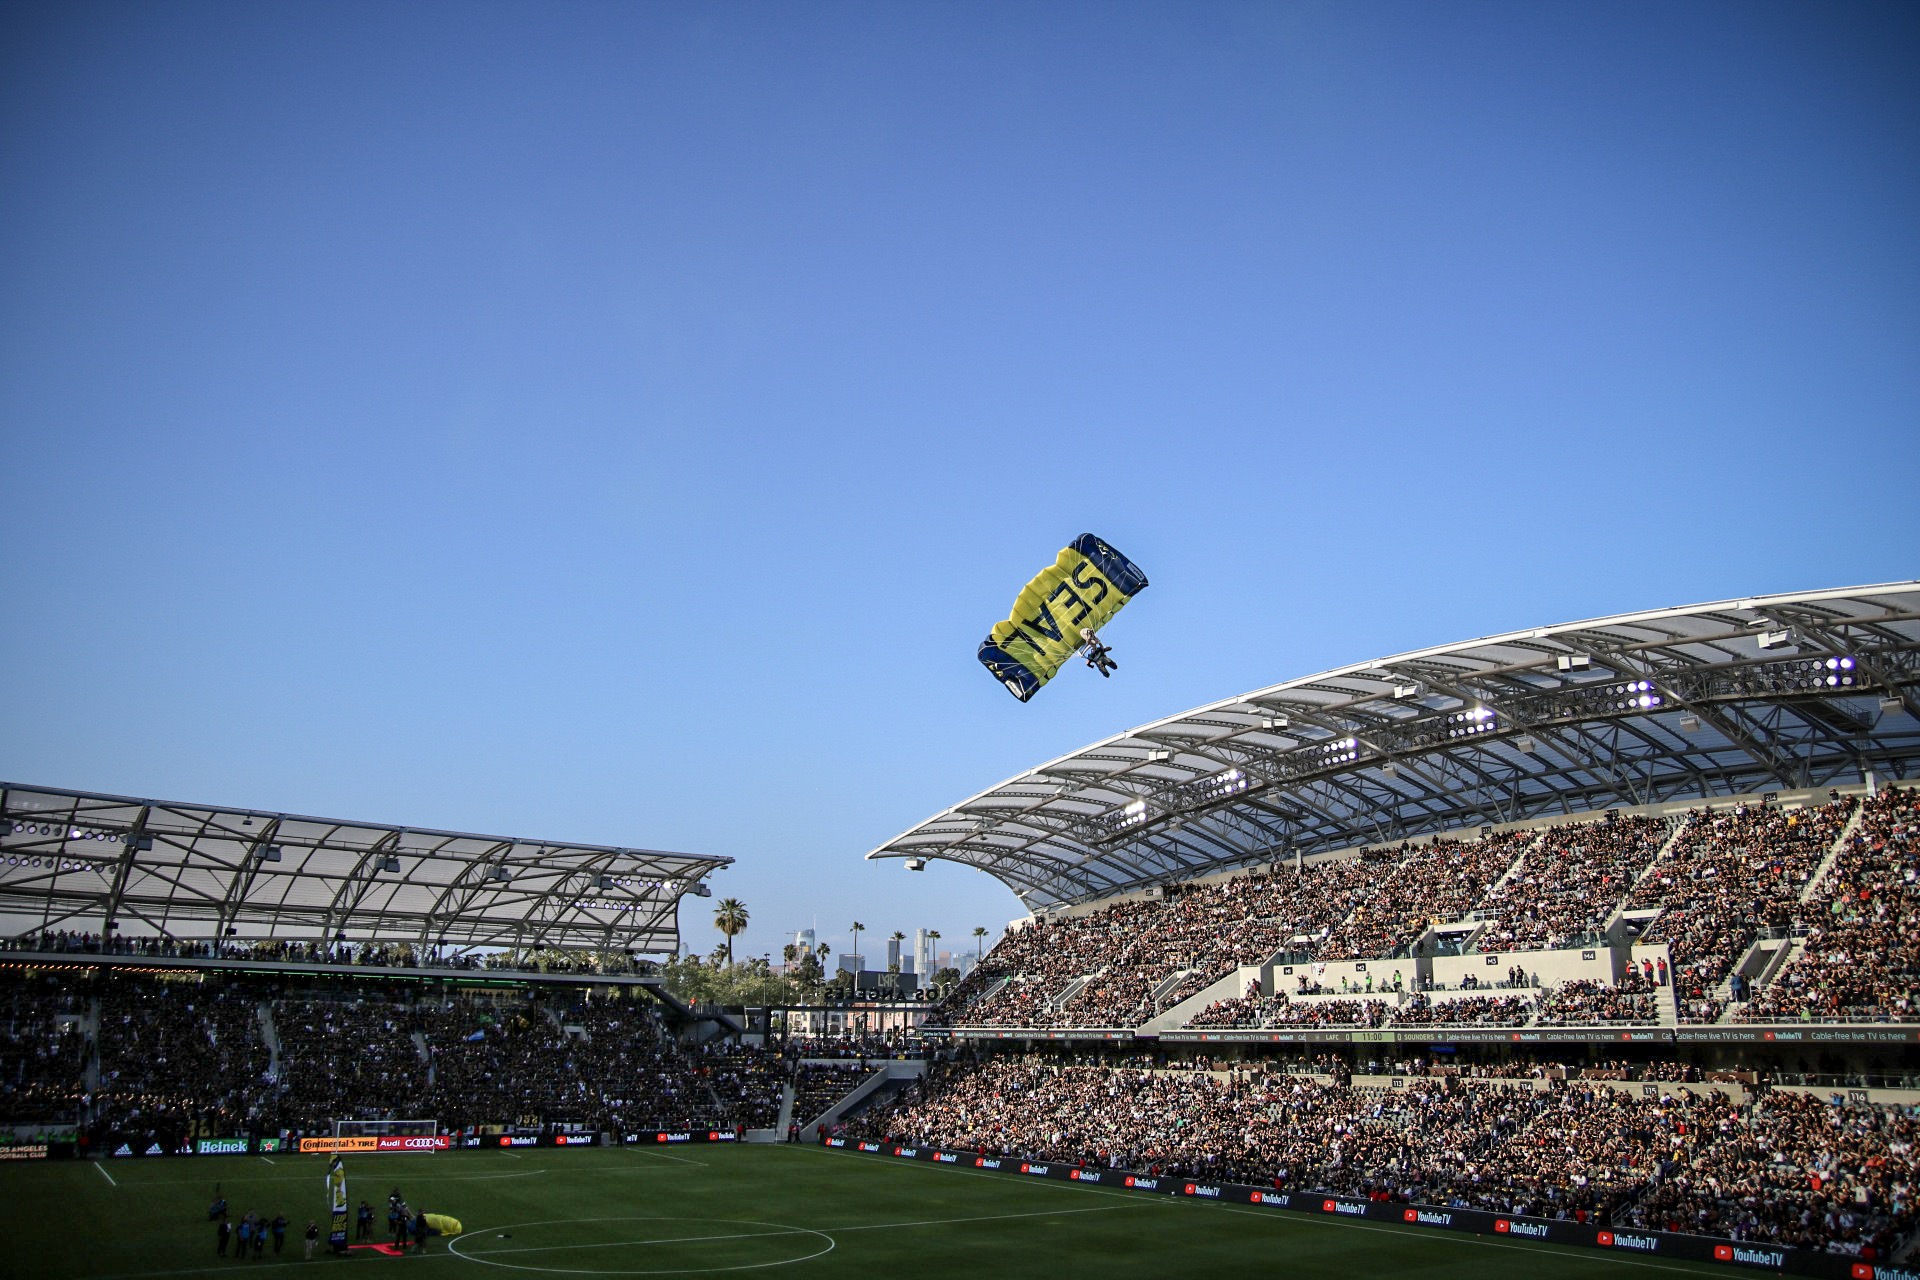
point(1576, 950)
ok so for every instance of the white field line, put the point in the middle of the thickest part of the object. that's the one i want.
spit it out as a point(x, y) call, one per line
point(784, 1231)
point(317, 1174)
point(103, 1173)
point(1545, 1251)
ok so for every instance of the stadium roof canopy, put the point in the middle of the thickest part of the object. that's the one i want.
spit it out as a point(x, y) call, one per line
point(1774, 692)
point(76, 861)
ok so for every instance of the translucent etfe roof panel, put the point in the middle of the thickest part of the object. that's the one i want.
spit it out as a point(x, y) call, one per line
point(1784, 691)
point(77, 861)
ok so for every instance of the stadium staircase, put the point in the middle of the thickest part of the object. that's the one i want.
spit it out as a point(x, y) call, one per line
point(1231, 987)
point(786, 1108)
point(269, 1036)
point(1664, 852)
point(1767, 957)
point(987, 992)
point(891, 1076)
point(1167, 984)
point(1073, 988)
point(1833, 854)
point(90, 1028)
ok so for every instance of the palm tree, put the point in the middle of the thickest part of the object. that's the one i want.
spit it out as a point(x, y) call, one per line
point(790, 953)
point(730, 918)
point(979, 934)
point(857, 927)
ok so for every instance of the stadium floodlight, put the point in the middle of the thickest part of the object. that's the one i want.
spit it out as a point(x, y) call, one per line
point(1159, 755)
point(1689, 724)
point(1891, 706)
point(916, 864)
point(501, 873)
point(1274, 722)
point(1775, 639)
point(1389, 770)
point(1406, 691)
point(270, 853)
point(1573, 661)
point(388, 863)
point(702, 890)
point(1527, 745)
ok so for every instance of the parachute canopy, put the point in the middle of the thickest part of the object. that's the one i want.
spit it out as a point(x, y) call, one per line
point(1084, 587)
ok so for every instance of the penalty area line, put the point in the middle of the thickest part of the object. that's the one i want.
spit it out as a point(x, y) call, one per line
point(103, 1173)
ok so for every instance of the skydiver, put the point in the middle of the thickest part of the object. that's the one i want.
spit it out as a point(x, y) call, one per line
point(1099, 656)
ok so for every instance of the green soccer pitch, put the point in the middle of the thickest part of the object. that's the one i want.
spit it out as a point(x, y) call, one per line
point(777, 1211)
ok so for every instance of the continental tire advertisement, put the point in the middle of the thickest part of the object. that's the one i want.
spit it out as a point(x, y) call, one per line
point(1735, 1254)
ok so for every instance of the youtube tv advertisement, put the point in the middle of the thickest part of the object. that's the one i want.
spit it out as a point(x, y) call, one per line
point(1736, 1255)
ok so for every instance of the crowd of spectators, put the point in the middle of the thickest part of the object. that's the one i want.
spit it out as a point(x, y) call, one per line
point(1862, 927)
point(1730, 874)
point(346, 1059)
point(1143, 956)
point(1569, 883)
point(186, 1055)
point(1788, 1170)
point(1585, 1001)
point(43, 1053)
point(1481, 1011)
point(1432, 884)
point(1726, 875)
point(283, 951)
point(818, 1085)
point(179, 1055)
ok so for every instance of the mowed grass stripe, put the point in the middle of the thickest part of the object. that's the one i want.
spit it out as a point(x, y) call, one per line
point(62, 1222)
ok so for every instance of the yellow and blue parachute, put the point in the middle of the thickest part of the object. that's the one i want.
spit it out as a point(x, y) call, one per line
point(1085, 586)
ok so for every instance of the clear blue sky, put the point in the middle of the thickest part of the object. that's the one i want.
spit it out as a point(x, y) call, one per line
point(620, 422)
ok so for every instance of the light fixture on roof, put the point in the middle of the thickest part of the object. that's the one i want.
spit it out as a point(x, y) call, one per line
point(388, 863)
point(1689, 724)
point(1891, 706)
point(1159, 755)
point(501, 873)
point(270, 853)
point(1389, 769)
point(1474, 720)
point(1774, 639)
point(1573, 661)
point(1527, 745)
point(1406, 691)
point(916, 864)
point(1274, 722)
point(1635, 695)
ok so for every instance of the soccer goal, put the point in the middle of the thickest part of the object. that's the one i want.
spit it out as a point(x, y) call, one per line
point(386, 1128)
